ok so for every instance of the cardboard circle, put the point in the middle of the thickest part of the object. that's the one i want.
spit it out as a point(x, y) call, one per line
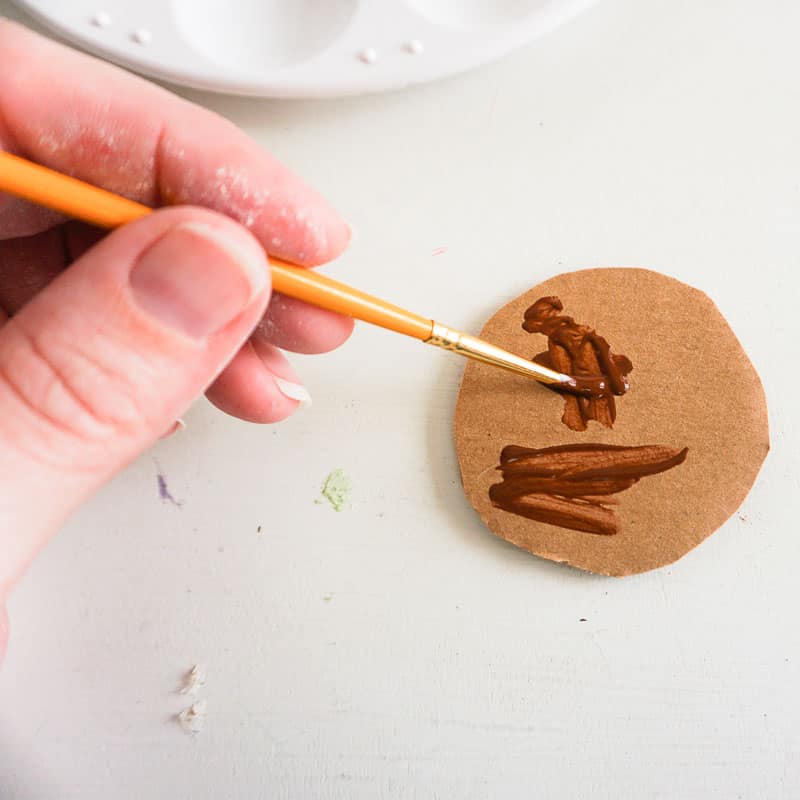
point(692, 385)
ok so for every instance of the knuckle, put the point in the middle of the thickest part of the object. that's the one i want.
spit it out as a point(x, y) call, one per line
point(64, 395)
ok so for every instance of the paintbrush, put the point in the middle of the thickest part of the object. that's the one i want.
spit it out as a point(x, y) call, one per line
point(82, 201)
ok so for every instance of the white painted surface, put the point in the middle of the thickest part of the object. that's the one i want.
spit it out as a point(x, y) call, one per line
point(446, 663)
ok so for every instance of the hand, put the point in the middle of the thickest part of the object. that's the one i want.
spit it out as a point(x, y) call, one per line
point(105, 340)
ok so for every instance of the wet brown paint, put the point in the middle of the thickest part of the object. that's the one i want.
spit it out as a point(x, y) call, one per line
point(581, 352)
point(571, 486)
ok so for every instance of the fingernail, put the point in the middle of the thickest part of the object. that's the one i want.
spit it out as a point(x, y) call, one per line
point(197, 278)
point(294, 391)
point(178, 425)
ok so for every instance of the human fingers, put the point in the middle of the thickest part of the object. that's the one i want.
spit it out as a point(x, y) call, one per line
point(100, 363)
point(79, 115)
point(259, 385)
point(301, 328)
point(27, 265)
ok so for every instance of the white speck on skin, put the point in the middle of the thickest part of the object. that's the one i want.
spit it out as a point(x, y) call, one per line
point(266, 327)
point(48, 143)
point(233, 191)
point(369, 55)
point(271, 332)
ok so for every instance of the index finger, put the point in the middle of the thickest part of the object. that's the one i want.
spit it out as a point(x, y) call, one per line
point(79, 115)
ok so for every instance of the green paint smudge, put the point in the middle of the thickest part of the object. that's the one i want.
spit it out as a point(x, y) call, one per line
point(336, 489)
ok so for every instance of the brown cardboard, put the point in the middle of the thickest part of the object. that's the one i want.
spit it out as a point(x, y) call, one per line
point(692, 385)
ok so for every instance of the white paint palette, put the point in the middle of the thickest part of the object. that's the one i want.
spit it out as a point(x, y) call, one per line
point(301, 48)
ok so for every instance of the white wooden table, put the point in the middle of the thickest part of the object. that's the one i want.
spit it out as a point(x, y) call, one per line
point(397, 649)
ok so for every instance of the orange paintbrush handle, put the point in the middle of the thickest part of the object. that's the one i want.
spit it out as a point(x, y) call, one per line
point(320, 290)
point(80, 200)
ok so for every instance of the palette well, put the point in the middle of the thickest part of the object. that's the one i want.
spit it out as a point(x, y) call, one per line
point(301, 48)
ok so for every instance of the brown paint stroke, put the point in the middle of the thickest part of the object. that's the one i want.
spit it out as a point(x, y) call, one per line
point(570, 485)
point(580, 351)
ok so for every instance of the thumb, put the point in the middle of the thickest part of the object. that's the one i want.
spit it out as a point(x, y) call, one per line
point(102, 361)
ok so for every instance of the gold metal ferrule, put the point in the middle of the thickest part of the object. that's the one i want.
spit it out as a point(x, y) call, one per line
point(479, 350)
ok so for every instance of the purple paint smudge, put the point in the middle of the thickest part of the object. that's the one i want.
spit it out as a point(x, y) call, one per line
point(164, 492)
